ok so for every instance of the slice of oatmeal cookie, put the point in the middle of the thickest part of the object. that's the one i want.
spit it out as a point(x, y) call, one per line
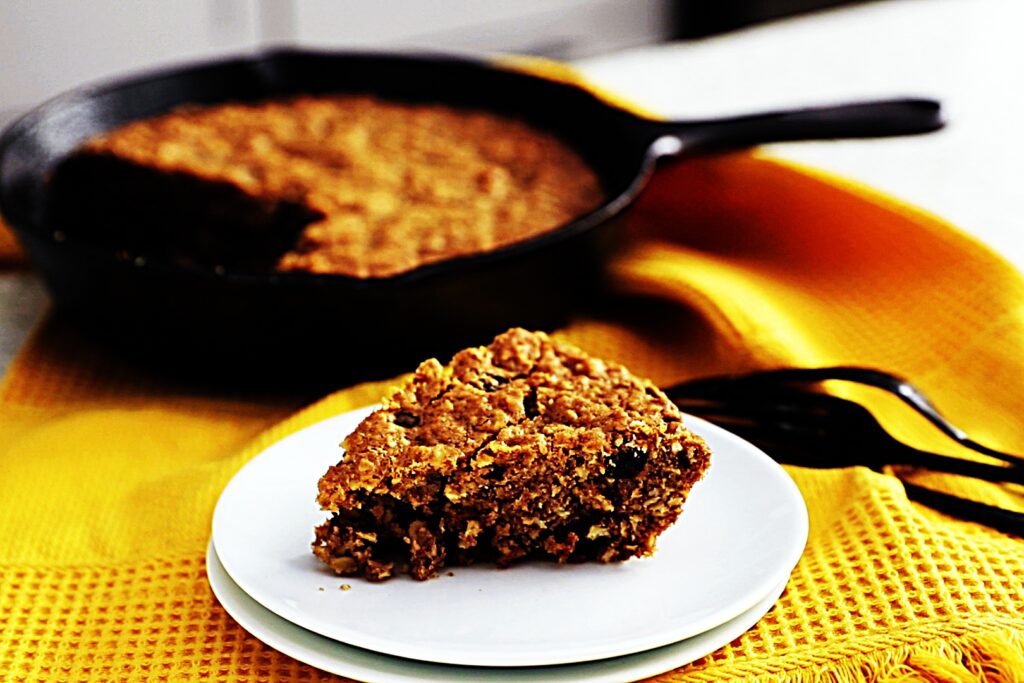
point(526, 448)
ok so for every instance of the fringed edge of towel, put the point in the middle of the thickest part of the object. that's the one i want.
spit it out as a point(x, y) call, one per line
point(993, 656)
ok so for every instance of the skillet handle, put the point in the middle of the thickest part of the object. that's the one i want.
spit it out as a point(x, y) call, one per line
point(871, 119)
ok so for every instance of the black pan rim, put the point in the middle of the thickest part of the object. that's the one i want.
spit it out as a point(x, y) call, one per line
point(611, 206)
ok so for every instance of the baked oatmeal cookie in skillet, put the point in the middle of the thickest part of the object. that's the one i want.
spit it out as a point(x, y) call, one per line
point(349, 185)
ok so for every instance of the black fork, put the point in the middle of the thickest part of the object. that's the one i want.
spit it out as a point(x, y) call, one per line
point(784, 414)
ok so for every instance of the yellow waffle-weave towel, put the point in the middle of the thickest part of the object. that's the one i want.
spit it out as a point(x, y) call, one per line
point(108, 477)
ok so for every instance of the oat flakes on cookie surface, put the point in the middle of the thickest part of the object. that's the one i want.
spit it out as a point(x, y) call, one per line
point(341, 184)
point(526, 448)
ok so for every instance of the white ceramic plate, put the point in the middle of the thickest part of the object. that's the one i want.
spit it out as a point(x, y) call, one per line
point(364, 665)
point(741, 534)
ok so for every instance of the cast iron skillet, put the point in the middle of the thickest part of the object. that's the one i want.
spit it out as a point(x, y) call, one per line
point(328, 329)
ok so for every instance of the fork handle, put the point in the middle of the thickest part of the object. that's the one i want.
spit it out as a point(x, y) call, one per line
point(1007, 521)
point(944, 463)
point(897, 386)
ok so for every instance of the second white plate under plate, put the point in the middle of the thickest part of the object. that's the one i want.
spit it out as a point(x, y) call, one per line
point(742, 531)
point(364, 665)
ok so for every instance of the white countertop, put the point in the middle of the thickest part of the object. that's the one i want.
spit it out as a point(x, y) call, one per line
point(967, 53)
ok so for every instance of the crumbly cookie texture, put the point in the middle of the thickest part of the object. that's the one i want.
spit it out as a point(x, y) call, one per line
point(526, 448)
point(382, 187)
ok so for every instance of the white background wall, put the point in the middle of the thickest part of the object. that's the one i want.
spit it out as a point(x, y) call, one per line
point(48, 46)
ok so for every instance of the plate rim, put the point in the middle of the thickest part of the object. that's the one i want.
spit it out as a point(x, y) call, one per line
point(343, 659)
point(784, 567)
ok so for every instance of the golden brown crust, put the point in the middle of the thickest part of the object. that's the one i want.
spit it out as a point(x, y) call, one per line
point(390, 186)
point(524, 448)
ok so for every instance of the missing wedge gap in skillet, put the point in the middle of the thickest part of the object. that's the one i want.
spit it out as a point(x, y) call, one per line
point(298, 327)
